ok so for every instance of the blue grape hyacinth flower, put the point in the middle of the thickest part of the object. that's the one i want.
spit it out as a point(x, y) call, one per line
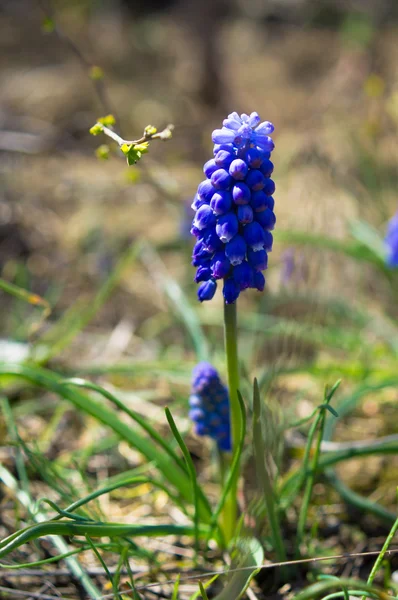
point(209, 406)
point(234, 209)
point(391, 242)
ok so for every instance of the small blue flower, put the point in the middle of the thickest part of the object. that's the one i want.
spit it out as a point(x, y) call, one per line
point(223, 158)
point(221, 179)
point(209, 406)
point(259, 201)
point(203, 272)
point(254, 235)
point(266, 218)
point(238, 169)
point(244, 214)
point(267, 168)
point(209, 167)
point(220, 265)
point(231, 290)
point(258, 260)
point(259, 281)
point(221, 202)
point(204, 217)
point(269, 186)
point(227, 227)
point(243, 275)
point(241, 193)
point(234, 209)
point(391, 242)
point(206, 190)
point(255, 180)
point(206, 290)
point(235, 250)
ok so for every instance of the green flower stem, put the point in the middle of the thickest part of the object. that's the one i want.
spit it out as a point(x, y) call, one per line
point(231, 351)
point(229, 516)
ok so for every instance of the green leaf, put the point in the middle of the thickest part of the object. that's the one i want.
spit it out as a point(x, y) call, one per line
point(252, 555)
point(173, 474)
point(197, 492)
point(367, 235)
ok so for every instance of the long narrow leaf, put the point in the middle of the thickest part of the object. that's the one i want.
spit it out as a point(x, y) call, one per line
point(44, 378)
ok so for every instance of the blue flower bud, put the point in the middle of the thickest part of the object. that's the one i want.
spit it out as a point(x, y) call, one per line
point(220, 265)
point(269, 187)
point(238, 169)
point(254, 235)
point(203, 272)
point(254, 120)
point(267, 168)
point(255, 180)
point(259, 201)
point(227, 227)
point(235, 250)
point(254, 158)
point(221, 202)
point(266, 219)
point(196, 232)
point(201, 429)
point(206, 190)
point(269, 240)
point(198, 202)
point(241, 193)
point(230, 291)
point(223, 158)
point(195, 401)
point(265, 127)
point(258, 260)
point(391, 242)
point(233, 122)
point(243, 275)
point(223, 136)
point(218, 147)
point(209, 167)
point(196, 414)
point(210, 240)
point(204, 217)
point(262, 141)
point(245, 214)
point(199, 254)
point(271, 203)
point(259, 281)
point(221, 179)
point(206, 290)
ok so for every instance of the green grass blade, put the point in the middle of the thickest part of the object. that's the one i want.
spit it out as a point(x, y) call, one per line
point(192, 473)
point(319, 425)
point(252, 556)
point(60, 544)
point(48, 380)
point(111, 530)
point(133, 415)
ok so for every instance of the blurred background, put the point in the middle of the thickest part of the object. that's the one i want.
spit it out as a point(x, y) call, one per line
point(325, 72)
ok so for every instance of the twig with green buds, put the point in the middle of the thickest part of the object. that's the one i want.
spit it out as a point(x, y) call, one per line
point(132, 149)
